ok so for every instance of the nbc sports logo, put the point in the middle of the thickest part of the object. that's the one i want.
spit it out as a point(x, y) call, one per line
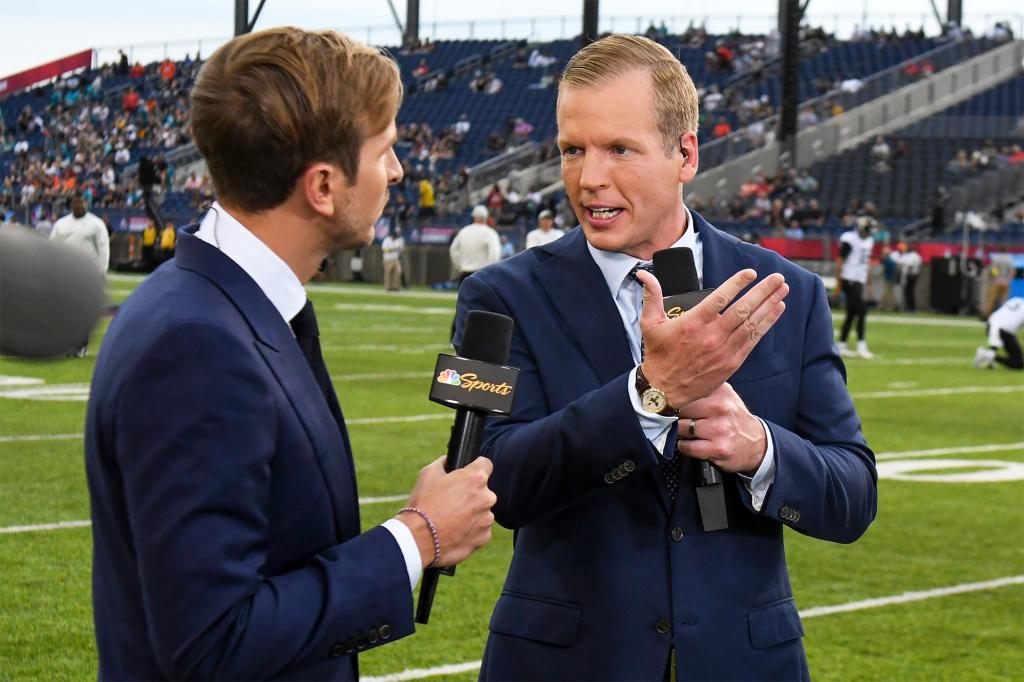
point(450, 377)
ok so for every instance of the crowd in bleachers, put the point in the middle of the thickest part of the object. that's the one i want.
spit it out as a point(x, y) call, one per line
point(81, 132)
point(467, 101)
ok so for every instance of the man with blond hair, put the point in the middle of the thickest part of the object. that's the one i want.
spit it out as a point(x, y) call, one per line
point(226, 526)
point(613, 576)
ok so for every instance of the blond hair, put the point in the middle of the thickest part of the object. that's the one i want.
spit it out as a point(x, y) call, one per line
point(676, 108)
point(267, 105)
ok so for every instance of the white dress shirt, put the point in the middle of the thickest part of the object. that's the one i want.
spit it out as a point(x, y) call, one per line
point(279, 283)
point(628, 297)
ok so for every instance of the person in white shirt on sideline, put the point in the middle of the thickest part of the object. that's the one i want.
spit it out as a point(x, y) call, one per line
point(910, 269)
point(852, 272)
point(392, 248)
point(1002, 329)
point(546, 231)
point(476, 245)
point(88, 233)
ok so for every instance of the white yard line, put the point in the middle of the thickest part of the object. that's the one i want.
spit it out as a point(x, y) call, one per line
point(395, 308)
point(373, 376)
point(470, 666)
point(920, 321)
point(926, 392)
point(83, 523)
point(880, 359)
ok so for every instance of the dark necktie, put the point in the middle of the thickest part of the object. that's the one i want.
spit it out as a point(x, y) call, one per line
point(307, 333)
point(670, 468)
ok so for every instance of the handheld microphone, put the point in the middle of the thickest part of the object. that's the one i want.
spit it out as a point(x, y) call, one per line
point(51, 295)
point(477, 384)
point(677, 274)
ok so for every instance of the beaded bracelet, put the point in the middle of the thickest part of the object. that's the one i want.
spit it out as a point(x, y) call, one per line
point(433, 533)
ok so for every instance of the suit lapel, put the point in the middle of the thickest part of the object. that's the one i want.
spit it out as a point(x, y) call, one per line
point(277, 346)
point(579, 293)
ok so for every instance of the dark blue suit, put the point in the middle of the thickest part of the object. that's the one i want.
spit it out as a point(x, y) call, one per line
point(606, 575)
point(224, 504)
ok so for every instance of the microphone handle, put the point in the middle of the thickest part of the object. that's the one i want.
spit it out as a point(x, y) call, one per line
point(463, 448)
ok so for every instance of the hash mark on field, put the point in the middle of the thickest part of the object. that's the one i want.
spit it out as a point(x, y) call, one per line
point(382, 375)
point(469, 666)
point(919, 321)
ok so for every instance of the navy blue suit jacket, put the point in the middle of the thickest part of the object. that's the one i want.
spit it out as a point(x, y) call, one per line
point(224, 505)
point(602, 583)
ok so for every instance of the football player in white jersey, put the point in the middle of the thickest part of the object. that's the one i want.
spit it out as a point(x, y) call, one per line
point(1003, 326)
point(852, 275)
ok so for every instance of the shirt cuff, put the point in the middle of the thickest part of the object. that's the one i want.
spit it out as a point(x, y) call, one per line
point(655, 426)
point(763, 478)
point(410, 551)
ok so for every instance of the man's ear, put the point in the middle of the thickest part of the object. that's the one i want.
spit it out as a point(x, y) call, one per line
point(320, 185)
point(688, 156)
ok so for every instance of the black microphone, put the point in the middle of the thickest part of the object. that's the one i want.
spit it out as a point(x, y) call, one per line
point(477, 384)
point(680, 286)
point(51, 295)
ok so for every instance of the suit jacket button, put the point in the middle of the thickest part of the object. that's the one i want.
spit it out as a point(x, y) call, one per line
point(337, 650)
point(617, 475)
point(385, 631)
point(372, 637)
point(609, 479)
point(629, 466)
point(677, 534)
point(663, 626)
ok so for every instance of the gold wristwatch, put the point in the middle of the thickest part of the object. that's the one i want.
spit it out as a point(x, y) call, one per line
point(652, 399)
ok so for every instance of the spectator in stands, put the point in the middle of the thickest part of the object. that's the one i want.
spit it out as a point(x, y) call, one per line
point(910, 263)
point(167, 70)
point(545, 233)
point(540, 60)
point(852, 276)
point(508, 249)
point(880, 151)
point(722, 128)
point(495, 199)
point(960, 164)
point(1002, 329)
point(422, 69)
point(494, 85)
point(130, 101)
point(807, 117)
point(805, 182)
point(462, 126)
point(86, 232)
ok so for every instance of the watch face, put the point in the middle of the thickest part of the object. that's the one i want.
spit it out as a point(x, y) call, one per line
point(653, 400)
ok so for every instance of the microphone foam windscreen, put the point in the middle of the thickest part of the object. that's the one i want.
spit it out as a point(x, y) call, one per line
point(676, 271)
point(51, 295)
point(487, 337)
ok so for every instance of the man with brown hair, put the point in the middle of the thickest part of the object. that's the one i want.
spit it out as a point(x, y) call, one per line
point(225, 514)
point(613, 575)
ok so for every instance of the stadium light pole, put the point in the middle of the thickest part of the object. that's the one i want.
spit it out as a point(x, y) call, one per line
point(789, 23)
point(243, 24)
point(412, 21)
point(591, 12)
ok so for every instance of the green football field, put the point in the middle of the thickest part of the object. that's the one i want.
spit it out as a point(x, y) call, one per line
point(934, 590)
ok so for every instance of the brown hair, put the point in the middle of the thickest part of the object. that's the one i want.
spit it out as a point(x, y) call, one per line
point(267, 105)
point(676, 108)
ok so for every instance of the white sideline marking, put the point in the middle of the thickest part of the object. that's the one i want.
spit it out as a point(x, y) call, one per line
point(46, 526)
point(385, 308)
point(880, 360)
point(924, 321)
point(907, 454)
point(913, 596)
point(420, 673)
point(382, 375)
point(19, 381)
point(377, 291)
point(83, 523)
point(924, 392)
point(391, 348)
point(348, 422)
point(41, 436)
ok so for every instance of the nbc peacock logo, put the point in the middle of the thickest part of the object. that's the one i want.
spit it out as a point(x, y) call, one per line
point(450, 377)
